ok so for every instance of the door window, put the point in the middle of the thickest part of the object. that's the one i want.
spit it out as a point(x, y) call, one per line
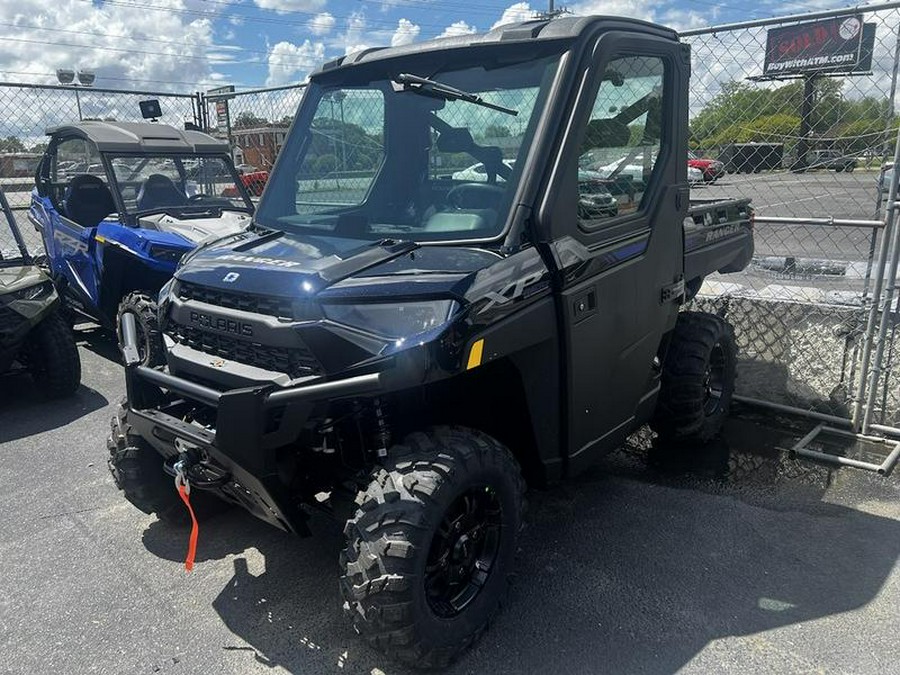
point(622, 140)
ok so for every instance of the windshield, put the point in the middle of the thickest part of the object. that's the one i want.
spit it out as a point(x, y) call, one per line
point(391, 157)
point(158, 183)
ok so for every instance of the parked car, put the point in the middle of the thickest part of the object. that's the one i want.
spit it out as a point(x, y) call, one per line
point(885, 178)
point(114, 237)
point(696, 176)
point(828, 160)
point(711, 169)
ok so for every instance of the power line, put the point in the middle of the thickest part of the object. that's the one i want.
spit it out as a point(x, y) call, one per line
point(274, 20)
point(195, 84)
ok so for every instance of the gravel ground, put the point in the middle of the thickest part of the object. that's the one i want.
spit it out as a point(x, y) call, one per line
point(737, 560)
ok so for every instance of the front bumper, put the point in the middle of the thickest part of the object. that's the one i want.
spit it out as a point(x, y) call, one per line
point(251, 424)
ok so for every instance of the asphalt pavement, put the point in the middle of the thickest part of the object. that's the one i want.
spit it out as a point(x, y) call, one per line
point(728, 559)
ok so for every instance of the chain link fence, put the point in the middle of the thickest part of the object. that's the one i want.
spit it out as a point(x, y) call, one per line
point(256, 123)
point(27, 111)
point(810, 149)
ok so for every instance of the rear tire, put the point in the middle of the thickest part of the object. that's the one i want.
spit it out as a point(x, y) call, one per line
point(137, 470)
point(430, 549)
point(697, 379)
point(52, 357)
point(150, 343)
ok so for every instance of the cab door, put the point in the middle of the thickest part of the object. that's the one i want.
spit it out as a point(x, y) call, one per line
point(619, 261)
point(71, 245)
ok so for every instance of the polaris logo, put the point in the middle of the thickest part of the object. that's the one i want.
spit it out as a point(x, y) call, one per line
point(231, 277)
point(221, 325)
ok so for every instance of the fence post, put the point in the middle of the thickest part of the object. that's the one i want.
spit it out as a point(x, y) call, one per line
point(889, 248)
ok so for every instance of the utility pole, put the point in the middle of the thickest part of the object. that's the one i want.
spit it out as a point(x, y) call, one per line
point(552, 11)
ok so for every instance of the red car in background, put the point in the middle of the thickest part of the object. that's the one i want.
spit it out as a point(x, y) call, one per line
point(712, 169)
point(254, 181)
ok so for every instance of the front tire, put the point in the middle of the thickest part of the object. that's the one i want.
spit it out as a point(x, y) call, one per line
point(430, 549)
point(697, 381)
point(52, 357)
point(150, 343)
point(137, 471)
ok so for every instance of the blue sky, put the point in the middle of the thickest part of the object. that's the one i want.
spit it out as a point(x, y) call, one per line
point(185, 45)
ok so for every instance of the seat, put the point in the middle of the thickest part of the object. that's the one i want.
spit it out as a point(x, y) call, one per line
point(159, 191)
point(88, 200)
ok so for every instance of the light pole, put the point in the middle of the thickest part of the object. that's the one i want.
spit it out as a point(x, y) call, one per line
point(340, 96)
point(85, 78)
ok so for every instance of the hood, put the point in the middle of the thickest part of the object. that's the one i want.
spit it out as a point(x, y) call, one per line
point(290, 265)
point(196, 230)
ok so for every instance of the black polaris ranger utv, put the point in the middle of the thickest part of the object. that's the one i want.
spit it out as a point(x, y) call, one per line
point(409, 338)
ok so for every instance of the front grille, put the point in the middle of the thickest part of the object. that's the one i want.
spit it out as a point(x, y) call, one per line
point(9, 320)
point(257, 304)
point(294, 361)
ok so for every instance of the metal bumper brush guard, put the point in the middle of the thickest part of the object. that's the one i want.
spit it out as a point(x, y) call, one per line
point(237, 458)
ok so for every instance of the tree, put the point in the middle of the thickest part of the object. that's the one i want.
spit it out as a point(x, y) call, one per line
point(743, 112)
point(11, 144)
point(247, 120)
point(497, 131)
point(325, 165)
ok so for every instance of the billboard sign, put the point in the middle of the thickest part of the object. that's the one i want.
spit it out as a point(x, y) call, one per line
point(830, 45)
point(223, 123)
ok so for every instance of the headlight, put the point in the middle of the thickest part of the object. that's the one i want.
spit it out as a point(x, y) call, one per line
point(393, 321)
point(35, 292)
point(166, 253)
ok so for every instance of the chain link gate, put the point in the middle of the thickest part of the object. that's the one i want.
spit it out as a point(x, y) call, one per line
point(813, 313)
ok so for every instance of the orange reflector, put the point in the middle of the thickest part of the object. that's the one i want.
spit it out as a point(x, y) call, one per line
point(475, 354)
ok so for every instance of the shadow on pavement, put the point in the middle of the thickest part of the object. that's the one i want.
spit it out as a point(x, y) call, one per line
point(634, 567)
point(99, 341)
point(24, 412)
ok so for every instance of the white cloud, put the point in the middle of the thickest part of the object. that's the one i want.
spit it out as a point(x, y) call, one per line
point(290, 63)
point(635, 9)
point(287, 6)
point(521, 11)
point(458, 28)
point(406, 33)
point(353, 38)
point(321, 24)
point(126, 46)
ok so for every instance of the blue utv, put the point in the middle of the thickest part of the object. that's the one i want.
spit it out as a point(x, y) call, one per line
point(118, 204)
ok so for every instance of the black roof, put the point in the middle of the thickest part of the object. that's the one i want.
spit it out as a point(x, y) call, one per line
point(562, 28)
point(145, 137)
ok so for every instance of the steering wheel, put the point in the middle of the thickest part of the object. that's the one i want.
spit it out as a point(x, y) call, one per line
point(475, 196)
point(199, 197)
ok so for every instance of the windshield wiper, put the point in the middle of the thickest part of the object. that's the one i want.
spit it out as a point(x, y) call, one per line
point(422, 85)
